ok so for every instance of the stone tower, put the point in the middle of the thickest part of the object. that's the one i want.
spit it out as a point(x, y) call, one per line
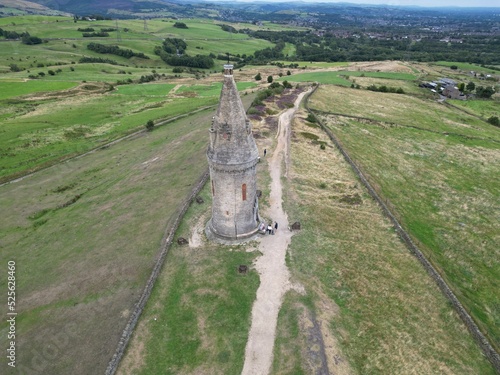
point(232, 158)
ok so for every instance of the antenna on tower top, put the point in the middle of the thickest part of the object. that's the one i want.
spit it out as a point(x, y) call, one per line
point(228, 62)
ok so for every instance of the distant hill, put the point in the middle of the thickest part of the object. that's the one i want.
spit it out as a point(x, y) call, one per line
point(88, 7)
point(19, 7)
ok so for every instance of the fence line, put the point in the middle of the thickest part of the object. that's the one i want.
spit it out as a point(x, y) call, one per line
point(483, 342)
point(167, 239)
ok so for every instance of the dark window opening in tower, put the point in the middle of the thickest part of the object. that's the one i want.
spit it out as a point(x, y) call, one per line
point(244, 191)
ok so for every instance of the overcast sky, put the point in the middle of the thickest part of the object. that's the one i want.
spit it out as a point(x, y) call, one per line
point(422, 3)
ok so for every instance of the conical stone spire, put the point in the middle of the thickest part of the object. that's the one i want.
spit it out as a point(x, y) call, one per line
point(232, 157)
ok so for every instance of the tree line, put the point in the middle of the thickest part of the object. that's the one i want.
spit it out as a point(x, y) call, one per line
point(172, 51)
point(115, 50)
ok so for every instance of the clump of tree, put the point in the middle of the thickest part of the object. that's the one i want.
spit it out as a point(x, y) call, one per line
point(494, 120)
point(150, 125)
point(115, 50)
point(484, 92)
point(99, 34)
point(149, 78)
point(311, 118)
point(384, 88)
point(172, 51)
point(198, 61)
point(85, 29)
point(171, 46)
point(15, 68)
point(258, 77)
point(229, 29)
point(97, 60)
point(180, 25)
point(10, 34)
point(30, 40)
point(108, 29)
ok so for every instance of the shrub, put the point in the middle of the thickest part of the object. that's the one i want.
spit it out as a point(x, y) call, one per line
point(15, 68)
point(150, 125)
point(311, 118)
point(493, 120)
point(258, 77)
point(180, 25)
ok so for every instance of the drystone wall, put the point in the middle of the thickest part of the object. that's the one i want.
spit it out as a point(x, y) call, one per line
point(139, 307)
point(483, 342)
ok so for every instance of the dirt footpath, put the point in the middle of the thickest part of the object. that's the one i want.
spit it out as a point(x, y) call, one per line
point(274, 275)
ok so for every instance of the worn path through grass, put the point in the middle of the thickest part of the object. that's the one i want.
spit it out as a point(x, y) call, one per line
point(273, 272)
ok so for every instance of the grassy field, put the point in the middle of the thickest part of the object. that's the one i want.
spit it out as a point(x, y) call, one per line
point(342, 77)
point(13, 89)
point(211, 90)
point(467, 67)
point(55, 128)
point(84, 235)
point(482, 108)
point(331, 78)
point(367, 298)
point(192, 326)
point(440, 174)
point(202, 37)
point(405, 110)
point(44, 127)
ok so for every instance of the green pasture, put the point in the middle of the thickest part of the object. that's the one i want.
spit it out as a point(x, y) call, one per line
point(482, 108)
point(466, 66)
point(409, 87)
point(315, 64)
point(213, 89)
point(289, 49)
point(149, 89)
point(50, 55)
point(385, 75)
point(65, 44)
point(37, 134)
point(378, 309)
point(11, 89)
point(85, 235)
point(86, 72)
point(204, 30)
point(30, 20)
point(441, 176)
point(405, 110)
point(202, 325)
point(233, 46)
point(332, 78)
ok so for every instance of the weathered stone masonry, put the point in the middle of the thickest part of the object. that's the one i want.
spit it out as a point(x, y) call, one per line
point(232, 158)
